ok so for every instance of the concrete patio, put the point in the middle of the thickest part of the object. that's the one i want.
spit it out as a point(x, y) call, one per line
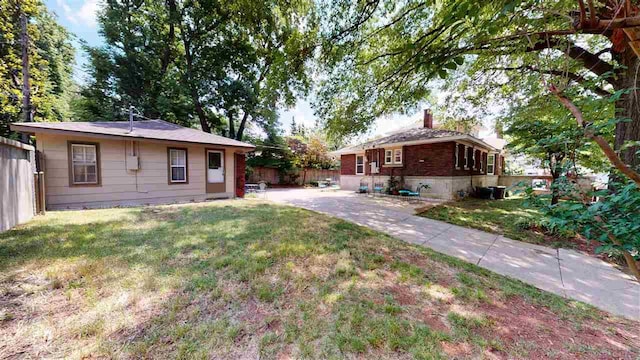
point(567, 273)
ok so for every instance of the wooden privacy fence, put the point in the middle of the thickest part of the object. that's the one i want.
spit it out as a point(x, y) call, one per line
point(542, 182)
point(275, 177)
point(21, 193)
point(38, 183)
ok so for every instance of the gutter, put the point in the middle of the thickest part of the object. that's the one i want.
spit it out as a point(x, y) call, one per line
point(127, 136)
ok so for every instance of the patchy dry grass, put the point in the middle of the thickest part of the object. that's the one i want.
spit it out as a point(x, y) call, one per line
point(240, 279)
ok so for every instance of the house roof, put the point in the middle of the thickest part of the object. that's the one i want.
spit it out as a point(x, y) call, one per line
point(147, 129)
point(497, 143)
point(416, 136)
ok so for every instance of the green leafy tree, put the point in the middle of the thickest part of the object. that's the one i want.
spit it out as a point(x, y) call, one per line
point(51, 59)
point(379, 56)
point(222, 65)
point(310, 153)
point(272, 150)
point(139, 65)
point(545, 131)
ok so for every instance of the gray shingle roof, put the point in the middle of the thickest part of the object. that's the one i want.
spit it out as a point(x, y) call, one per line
point(147, 129)
point(414, 135)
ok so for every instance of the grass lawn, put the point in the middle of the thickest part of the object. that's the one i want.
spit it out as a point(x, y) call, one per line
point(247, 279)
point(508, 217)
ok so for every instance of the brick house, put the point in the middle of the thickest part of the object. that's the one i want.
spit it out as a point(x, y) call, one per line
point(448, 161)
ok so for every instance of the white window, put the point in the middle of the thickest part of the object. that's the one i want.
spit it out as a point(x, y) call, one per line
point(84, 164)
point(457, 157)
point(466, 157)
point(388, 156)
point(359, 164)
point(177, 165)
point(473, 158)
point(397, 156)
point(481, 156)
point(490, 161)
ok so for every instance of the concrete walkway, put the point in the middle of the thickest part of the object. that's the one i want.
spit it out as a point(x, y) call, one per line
point(567, 273)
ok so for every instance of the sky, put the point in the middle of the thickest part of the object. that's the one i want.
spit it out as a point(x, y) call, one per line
point(79, 17)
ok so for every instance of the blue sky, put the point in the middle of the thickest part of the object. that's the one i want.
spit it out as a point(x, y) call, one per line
point(79, 17)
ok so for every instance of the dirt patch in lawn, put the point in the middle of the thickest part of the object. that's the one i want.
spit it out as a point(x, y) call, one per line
point(532, 332)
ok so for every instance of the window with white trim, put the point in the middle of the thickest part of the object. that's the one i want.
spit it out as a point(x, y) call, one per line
point(490, 164)
point(466, 157)
point(359, 164)
point(177, 165)
point(388, 156)
point(473, 157)
point(481, 157)
point(397, 156)
point(457, 154)
point(84, 164)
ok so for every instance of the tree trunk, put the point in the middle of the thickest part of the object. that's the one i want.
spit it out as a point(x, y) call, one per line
point(195, 97)
point(555, 168)
point(555, 194)
point(243, 124)
point(232, 127)
point(629, 107)
point(26, 88)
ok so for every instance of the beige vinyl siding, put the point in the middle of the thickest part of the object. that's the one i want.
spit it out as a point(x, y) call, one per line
point(126, 187)
point(230, 171)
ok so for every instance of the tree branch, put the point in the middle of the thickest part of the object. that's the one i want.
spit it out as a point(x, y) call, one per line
point(590, 61)
point(602, 143)
point(364, 16)
point(573, 76)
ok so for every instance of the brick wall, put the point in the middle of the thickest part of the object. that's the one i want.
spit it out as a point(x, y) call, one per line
point(378, 156)
point(429, 159)
point(436, 159)
point(499, 164)
point(348, 164)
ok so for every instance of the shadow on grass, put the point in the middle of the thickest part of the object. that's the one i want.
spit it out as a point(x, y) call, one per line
point(254, 280)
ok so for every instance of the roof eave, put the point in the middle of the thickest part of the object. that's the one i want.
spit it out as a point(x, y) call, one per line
point(354, 149)
point(25, 128)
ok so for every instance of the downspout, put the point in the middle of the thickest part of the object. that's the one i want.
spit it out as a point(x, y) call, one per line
point(473, 163)
point(378, 161)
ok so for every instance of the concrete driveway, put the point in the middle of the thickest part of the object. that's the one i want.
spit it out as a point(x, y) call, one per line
point(567, 273)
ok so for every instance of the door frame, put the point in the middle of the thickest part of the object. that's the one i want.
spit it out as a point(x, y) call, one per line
point(215, 187)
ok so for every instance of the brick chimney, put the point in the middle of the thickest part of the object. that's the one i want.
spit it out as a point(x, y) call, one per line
point(498, 129)
point(428, 119)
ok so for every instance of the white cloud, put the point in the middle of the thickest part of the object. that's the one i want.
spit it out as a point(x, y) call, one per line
point(68, 12)
point(85, 14)
point(88, 13)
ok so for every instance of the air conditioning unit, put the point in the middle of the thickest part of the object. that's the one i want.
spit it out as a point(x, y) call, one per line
point(374, 167)
point(133, 163)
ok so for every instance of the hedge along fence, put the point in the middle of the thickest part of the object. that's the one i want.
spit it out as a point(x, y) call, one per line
point(275, 177)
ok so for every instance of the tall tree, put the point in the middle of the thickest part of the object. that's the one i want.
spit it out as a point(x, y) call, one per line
point(381, 54)
point(544, 131)
point(139, 65)
point(51, 59)
point(218, 64)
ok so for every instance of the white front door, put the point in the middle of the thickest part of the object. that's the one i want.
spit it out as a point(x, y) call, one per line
point(215, 166)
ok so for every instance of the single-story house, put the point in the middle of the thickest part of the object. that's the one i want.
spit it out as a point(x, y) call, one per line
point(121, 163)
point(447, 161)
